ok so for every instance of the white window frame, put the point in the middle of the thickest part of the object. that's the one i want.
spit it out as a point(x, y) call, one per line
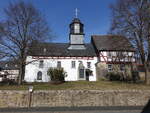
point(109, 67)
point(89, 65)
point(58, 64)
point(109, 54)
point(41, 64)
point(122, 67)
point(73, 64)
point(76, 28)
point(39, 78)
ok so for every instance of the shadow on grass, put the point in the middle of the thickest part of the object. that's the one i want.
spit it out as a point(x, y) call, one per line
point(146, 109)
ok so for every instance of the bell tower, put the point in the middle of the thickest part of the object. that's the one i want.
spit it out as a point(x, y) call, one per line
point(76, 36)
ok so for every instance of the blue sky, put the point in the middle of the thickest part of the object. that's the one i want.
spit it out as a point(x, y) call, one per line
point(94, 14)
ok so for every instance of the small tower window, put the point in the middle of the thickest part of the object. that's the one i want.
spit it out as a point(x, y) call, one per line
point(71, 29)
point(77, 28)
point(39, 75)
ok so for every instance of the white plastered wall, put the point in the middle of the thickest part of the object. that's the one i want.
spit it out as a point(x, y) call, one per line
point(32, 69)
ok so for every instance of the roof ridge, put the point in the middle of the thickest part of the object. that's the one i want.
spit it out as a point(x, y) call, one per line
point(51, 43)
point(112, 42)
point(107, 35)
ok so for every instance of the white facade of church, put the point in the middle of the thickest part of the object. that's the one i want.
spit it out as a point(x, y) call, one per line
point(70, 65)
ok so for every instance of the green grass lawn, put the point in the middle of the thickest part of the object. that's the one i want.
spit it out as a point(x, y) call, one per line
point(80, 85)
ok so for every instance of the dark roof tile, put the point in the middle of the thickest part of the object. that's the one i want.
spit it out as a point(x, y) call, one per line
point(9, 65)
point(111, 43)
point(59, 49)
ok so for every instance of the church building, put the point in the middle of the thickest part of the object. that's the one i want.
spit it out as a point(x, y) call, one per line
point(76, 57)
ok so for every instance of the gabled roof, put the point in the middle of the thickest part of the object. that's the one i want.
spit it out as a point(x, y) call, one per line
point(111, 43)
point(9, 65)
point(60, 50)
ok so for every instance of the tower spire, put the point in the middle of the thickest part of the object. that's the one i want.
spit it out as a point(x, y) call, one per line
point(76, 12)
point(76, 35)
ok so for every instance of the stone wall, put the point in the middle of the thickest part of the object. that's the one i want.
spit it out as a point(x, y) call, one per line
point(72, 98)
point(13, 98)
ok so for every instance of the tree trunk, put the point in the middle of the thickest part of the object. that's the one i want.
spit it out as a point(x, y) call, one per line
point(21, 74)
point(147, 75)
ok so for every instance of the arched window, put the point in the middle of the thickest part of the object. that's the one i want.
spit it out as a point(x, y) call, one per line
point(81, 71)
point(39, 75)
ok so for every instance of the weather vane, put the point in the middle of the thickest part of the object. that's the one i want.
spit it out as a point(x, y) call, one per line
point(76, 12)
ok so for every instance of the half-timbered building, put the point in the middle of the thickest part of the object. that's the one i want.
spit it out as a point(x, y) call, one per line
point(115, 54)
point(9, 70)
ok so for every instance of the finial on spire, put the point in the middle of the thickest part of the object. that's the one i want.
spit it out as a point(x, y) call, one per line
point(76, 12)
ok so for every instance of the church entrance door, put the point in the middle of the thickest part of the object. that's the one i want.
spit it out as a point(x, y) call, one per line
point(87, 75)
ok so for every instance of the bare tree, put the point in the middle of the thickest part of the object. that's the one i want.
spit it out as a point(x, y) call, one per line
point(23, 25)
point(131, 19)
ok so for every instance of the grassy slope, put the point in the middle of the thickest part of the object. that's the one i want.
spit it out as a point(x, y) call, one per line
point(80, 85)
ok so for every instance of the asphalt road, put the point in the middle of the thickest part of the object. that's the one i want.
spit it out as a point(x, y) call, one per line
point(91, 111)
point(74, 110)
